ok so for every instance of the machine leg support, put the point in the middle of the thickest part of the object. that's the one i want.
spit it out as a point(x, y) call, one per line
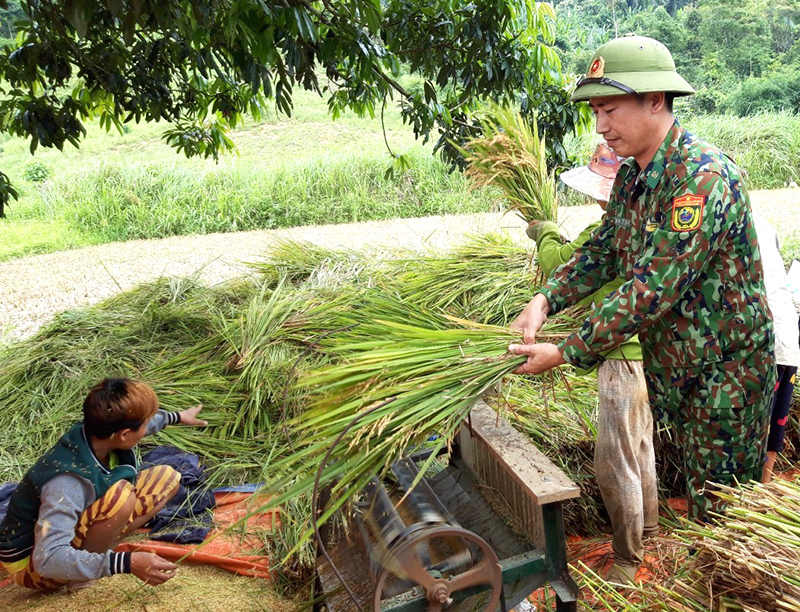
point(566, 606)
point(556, 548)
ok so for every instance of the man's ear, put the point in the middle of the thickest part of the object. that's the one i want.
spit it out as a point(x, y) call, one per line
point(655, 101)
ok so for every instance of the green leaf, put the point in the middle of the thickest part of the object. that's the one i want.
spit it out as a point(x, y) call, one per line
point(430, 92)
point(116, 7)
point(128, 27)
point(79, 14)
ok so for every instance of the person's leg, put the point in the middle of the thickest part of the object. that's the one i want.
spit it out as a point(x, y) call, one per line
point(124, 508)
point(99, 528)
point(101, 525)
point(154, 487)
point(120, 511)
point(646, 458)
point(779, 417)
point(619, 435)
point(724, 446)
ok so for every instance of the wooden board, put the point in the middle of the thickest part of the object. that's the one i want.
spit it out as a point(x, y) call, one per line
point(507, 461)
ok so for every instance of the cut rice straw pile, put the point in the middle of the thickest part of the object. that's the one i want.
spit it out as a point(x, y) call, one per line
point(296, 261)
point(748, 560)
point(488, 279)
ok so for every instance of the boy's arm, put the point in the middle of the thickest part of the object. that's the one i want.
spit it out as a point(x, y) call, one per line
point(162, 418)
point(63, 500)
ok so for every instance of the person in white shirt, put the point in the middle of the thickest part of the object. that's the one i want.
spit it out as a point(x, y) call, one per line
point(787, 345)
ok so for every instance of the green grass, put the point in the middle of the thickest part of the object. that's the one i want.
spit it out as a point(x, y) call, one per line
point(288, 171)
point(121, 202)
point(22, 237)
point(307, 169)
point(790, 247)
point(766, 145)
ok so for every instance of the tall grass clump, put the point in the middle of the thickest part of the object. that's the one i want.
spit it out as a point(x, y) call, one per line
point(512, 157)
point(121, 202)
point(765, 145)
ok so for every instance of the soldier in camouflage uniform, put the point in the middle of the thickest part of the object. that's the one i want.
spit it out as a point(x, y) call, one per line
point(679, 230)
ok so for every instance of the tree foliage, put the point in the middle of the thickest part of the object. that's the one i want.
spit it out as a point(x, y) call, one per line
point(741, 57)
point(10, 14)
point(202, 65)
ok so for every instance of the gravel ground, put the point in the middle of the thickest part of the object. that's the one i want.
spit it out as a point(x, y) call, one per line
point(33, 289)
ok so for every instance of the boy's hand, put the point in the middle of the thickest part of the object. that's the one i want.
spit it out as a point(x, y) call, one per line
point(189, 416)
point(152, 569)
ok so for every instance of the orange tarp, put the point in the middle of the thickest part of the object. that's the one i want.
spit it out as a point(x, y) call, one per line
point(232, 550)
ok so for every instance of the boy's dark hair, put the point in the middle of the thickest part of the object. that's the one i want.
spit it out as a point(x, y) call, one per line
point(115, 404)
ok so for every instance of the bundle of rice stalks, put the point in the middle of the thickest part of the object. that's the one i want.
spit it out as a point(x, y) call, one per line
point(749, 559)
point(601, 595)
point(512, 157)
point(259, 349)
point(389, 394)
point(488, 279)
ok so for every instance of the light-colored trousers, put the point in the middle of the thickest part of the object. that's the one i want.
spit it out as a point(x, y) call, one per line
point(624, 459)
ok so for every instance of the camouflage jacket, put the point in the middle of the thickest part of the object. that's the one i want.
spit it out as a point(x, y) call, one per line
point(681, 235)
point(551, 253)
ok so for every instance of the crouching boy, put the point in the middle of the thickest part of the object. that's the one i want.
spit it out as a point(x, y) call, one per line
point(84, 495)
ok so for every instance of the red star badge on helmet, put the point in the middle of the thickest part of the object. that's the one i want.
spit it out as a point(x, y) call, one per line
point(597, 68)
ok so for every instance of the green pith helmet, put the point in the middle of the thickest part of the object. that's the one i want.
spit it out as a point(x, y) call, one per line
point(631, 65)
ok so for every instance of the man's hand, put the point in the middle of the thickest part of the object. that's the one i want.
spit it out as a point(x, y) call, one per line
point(152, 569)
point(530, 320)
point(541, 357)
point(189, 416)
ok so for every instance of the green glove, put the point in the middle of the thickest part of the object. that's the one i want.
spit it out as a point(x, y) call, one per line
point(537, 228)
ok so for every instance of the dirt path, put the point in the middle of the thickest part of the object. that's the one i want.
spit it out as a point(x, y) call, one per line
point(33, 289)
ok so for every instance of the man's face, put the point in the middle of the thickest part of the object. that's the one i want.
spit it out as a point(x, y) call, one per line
point(626, 123)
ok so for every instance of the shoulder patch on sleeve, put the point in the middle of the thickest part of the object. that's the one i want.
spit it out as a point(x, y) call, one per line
point(687, 212)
